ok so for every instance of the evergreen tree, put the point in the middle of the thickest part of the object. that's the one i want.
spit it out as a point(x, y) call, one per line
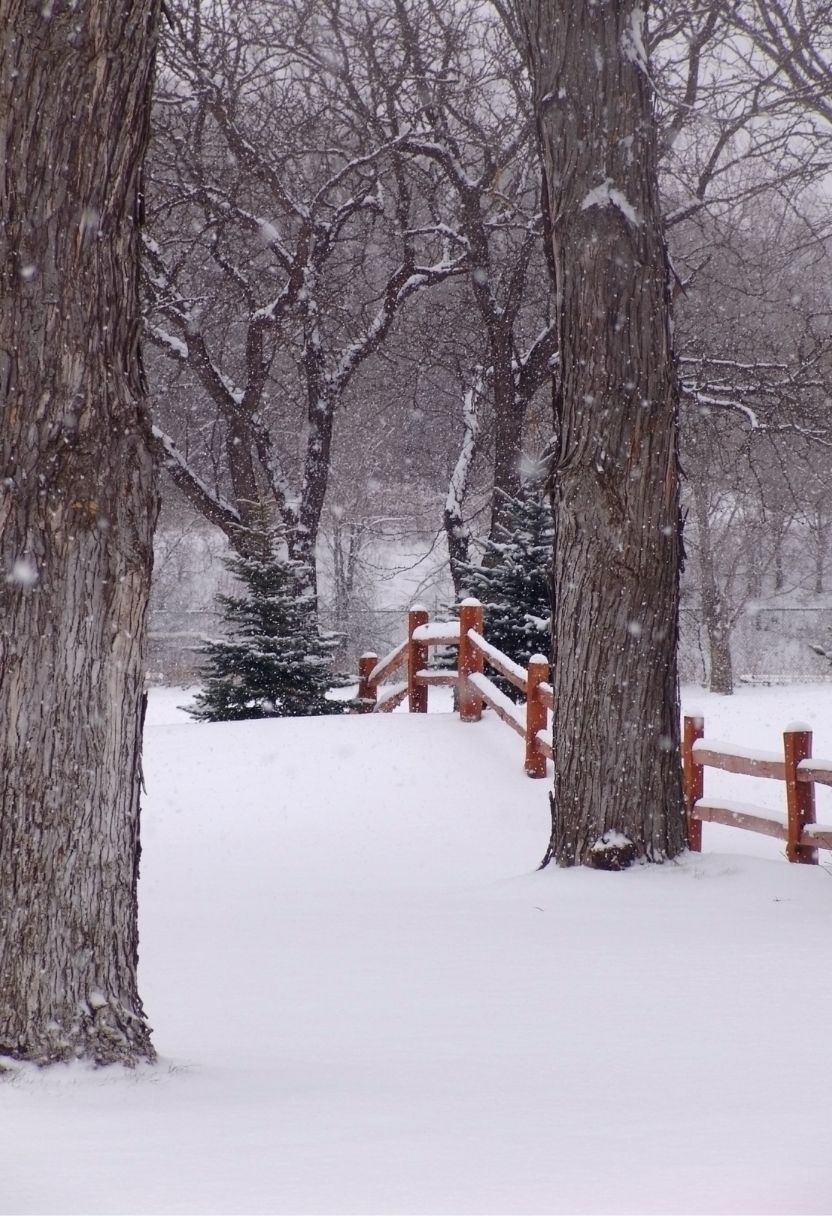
point(276, 662)
point(513, 581)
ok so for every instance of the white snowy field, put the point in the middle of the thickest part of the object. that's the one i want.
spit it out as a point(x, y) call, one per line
point(367, 1000)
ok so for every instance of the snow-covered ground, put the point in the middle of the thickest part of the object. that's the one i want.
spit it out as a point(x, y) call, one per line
point(367, 1000)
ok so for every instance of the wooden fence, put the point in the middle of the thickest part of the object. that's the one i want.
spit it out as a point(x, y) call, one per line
point(474, 688)
point(796, 825)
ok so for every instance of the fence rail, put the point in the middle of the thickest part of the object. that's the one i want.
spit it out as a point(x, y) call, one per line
point(796, 824)
point(474, 688)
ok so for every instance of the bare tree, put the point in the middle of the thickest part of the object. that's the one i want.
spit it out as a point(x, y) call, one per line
point(732, 129)
point(617, 792)
point(303, 241)
point(402, 133)
point(76, 522)
point(755, 382)
point(729, 139)
point(716, 460)
point(437, 85)
point(477, 130)
point(794, 39)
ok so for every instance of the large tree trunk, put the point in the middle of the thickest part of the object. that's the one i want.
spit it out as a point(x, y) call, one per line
point(617, 792)
point(76, 519)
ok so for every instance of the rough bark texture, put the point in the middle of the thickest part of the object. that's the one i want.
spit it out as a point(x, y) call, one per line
point(76, 517)
point(616, 476)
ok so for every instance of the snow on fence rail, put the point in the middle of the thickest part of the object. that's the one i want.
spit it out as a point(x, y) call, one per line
point(474, 687)
point(801, 772)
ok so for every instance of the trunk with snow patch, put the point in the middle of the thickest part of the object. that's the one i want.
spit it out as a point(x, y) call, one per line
point(616, 476)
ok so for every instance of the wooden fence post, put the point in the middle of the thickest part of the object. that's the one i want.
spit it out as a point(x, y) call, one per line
point(417, 659)
point(693, 778)
point(536, 720)
point(367, 692)
point(800, 795)
point(470, 660)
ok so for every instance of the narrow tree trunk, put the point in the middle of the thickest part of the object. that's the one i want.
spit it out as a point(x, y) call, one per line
point(457, 533)
point(721, 673)
point(754, 580)
point(458, 540)
point(779, 534)
point(508, 434)
point(719, 648)
point(76, 518)
point(321, 407)
point(820, 536)
point(617, 792)
point(347, 543)
point(778, 564)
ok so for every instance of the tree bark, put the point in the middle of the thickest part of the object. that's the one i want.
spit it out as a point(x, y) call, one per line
point(617, 791)
point(76, 520)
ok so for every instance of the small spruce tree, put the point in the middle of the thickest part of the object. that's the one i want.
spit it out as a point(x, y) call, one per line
point(275, 662)
point(513, 581)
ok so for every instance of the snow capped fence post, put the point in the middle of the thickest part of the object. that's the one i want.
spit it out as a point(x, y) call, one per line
point(367, 693)
point(800, 795)
point(471, 661)
point(693, 779)
point(417, 660)
point(536, 720)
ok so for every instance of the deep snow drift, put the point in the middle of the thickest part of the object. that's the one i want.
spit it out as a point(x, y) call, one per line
point(366, 999)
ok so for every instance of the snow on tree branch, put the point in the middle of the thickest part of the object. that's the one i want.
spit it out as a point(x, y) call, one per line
point(214, 508)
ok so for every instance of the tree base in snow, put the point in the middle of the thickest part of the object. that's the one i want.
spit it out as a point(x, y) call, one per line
point(101, 1036)
point(612, 851)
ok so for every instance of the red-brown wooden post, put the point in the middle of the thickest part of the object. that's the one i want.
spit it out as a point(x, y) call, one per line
point(470, 660)
point(367, 692)
point(417, 660)
point(693, 777)
point(537, 673)
point(800, 795)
